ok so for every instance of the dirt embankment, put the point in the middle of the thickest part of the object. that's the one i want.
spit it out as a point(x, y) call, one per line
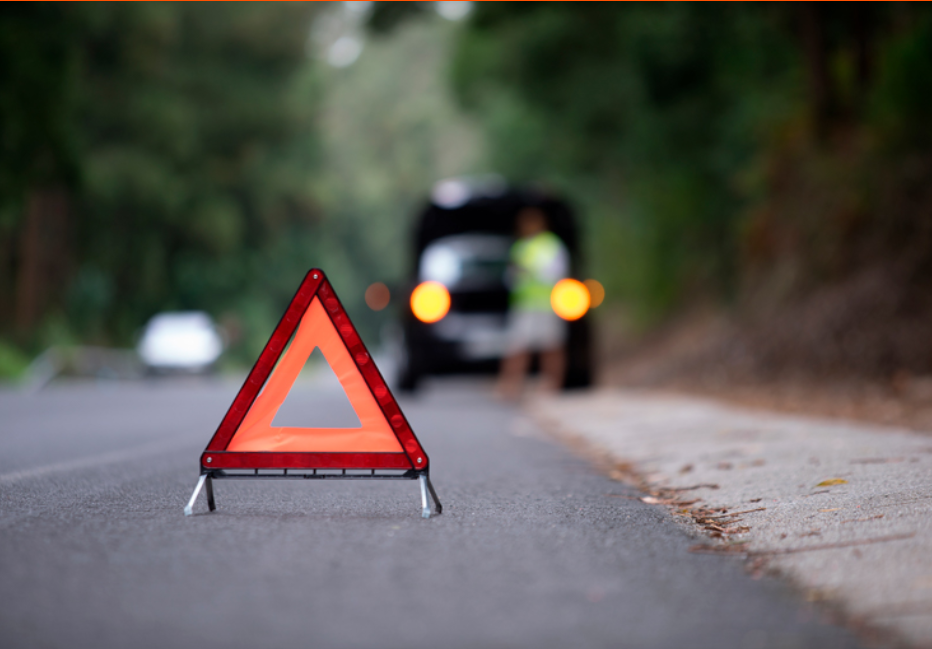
point(859, 350)
point(832, 308)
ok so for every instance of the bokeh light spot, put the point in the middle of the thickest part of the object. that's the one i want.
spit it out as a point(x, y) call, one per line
point(377, 296)
point(596, 292)
point(453, 10)
point(430, 301)
point(570, 299)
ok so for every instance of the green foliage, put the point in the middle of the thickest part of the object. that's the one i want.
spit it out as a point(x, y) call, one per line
point(38, 47)
point(902, 105)
point(13, 362)
point(197, 125)
point(183, 133)
point(389, 129)
point(208, 161)
point(663, 119)
point(644, 112)
point(385, 17)
point(162, 156)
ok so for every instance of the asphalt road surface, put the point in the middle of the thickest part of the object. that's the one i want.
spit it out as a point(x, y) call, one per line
point(534, 548)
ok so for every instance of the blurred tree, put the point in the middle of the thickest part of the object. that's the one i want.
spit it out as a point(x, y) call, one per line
point(644, 111)
point(153, 156)
point(38, 159)
point(665, 119)
point(389, 129)
point(165, 155)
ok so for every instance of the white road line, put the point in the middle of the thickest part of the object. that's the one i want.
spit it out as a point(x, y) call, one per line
point(130, 454)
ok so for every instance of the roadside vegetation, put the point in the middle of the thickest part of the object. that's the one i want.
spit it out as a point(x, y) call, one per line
point(766, 164)
point(769, 160)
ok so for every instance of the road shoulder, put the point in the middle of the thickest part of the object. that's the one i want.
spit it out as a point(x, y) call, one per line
point(840, 508)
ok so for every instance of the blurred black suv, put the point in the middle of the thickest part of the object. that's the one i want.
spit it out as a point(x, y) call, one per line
point(462, 240)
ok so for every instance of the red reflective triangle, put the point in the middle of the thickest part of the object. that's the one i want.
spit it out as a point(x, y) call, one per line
point(246, 438)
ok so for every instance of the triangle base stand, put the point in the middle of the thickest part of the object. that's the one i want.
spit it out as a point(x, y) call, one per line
point(205, 482)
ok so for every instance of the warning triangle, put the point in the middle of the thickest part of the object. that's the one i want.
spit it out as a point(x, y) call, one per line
point(248, 436)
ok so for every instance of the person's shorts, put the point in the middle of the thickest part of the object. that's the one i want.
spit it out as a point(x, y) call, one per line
point(535, 331)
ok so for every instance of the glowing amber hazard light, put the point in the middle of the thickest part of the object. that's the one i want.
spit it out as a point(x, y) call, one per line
point(570, 299)
point(430, 301)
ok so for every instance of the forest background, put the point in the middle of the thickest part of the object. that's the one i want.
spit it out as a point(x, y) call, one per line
point(770, 164)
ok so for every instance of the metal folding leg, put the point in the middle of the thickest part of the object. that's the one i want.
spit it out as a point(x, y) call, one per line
point(433, 494)
point(201, 482)
point(425, 503)
point(210, 494)
point(426, 485)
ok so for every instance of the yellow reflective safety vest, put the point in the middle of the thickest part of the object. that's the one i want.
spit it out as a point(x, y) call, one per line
point(539, 262)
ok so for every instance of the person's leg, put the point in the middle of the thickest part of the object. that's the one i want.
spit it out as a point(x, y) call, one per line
point(517, 358)
point(552, 369)
point(511, 376)
point(553, 335)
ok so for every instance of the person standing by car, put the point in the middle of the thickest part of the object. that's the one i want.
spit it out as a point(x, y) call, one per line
point(538, 260)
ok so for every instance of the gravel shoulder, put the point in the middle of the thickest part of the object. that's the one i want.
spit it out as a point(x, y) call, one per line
point(840, 508)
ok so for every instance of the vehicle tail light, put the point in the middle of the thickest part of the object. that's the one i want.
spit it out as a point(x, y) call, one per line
point(596, 292)
point(570, 299)
point(430, 301)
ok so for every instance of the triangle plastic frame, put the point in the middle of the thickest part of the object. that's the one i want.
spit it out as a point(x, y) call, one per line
point(217, 462)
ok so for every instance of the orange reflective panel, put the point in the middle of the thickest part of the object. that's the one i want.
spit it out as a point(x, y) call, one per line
point(256, 433)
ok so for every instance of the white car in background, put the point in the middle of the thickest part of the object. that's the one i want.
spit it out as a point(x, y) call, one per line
point(180, 341)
